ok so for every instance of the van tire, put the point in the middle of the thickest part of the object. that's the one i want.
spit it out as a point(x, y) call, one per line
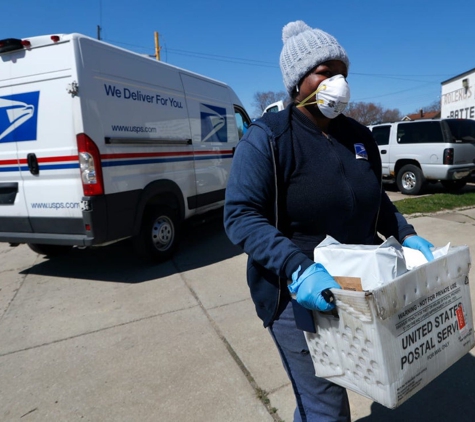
point(49, 250)
point(453, 185)
point(159, 234)
point(410, 180)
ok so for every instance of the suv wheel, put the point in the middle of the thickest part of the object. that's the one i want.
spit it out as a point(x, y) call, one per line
point(410, 180)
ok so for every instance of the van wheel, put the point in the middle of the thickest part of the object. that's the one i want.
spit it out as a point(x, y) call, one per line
point(158, 235)
point(410, 180)
point(453, 185)
point(49, 250)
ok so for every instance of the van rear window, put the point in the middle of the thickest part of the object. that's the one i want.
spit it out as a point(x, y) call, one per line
point(419, 133)
point(461, 130)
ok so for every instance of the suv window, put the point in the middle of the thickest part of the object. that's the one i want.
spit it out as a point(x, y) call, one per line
point(462, 130)
point(381, 134)
point(419, 133)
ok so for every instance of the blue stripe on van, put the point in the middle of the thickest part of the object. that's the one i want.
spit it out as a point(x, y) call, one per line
point(214, 156)
point(53, 167)
point(161, 160)
point(149, 161)
point(118, 163)
point(5, 169)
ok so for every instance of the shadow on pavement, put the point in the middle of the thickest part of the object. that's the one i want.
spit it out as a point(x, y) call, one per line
point(448, 397)
point(203, 243)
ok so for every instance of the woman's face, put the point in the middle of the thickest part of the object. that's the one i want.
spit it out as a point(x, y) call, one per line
point(323, 71)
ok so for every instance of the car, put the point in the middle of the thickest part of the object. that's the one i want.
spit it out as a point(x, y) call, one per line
point(414, 153)
point(274, 107)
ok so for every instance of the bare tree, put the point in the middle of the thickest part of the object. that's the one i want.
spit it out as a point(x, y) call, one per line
point(365, 113)
point(370, 113)
point(262, 99)
point(391, 115)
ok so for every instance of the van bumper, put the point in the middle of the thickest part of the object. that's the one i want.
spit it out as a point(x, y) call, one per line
point(45, 239)
point(105, 219)
point(48, 231)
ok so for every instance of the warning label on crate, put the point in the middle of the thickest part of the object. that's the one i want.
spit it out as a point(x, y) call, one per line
point(432, 324)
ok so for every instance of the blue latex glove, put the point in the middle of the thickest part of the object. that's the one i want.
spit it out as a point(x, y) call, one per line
point(309, 286)
point(420, 244)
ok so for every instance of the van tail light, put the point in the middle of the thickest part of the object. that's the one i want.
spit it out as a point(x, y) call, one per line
point(448, 156)
point(90, 166)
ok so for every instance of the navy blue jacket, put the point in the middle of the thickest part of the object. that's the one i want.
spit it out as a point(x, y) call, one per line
point(287, 192)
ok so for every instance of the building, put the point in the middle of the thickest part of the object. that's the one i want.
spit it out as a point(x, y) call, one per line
point(457, 99)
point(422, 115)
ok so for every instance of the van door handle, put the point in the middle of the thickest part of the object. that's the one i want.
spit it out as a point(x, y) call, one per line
point(383, 151)
point(33, 164)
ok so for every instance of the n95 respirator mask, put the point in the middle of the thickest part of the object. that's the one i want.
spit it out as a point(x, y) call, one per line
point(332, 96)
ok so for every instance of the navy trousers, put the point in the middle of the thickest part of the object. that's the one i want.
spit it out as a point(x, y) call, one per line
point(318, 400)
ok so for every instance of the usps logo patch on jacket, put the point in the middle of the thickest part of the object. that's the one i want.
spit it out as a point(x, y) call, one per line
point(360, 152)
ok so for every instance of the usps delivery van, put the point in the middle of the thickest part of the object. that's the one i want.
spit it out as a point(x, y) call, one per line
point(99, 144)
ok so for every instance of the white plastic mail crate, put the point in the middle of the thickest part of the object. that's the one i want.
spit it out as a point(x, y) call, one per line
point(389, 343)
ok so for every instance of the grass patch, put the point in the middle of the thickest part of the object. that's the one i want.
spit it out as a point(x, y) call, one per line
point(435, 202)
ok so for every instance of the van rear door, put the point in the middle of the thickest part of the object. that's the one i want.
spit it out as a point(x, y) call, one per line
point(14, 114)
point(37, 123)
point(18, 119)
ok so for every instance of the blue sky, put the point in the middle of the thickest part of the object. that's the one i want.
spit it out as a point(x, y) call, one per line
point(400, 51)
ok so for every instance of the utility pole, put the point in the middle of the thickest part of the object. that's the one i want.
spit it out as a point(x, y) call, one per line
point(157, 47)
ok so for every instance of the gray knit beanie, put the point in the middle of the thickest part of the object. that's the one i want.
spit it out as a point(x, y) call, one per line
point(304, 48)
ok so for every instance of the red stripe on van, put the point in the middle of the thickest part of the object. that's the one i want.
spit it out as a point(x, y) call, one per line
point(8, 162)
point(117, 156)
point(53, 159)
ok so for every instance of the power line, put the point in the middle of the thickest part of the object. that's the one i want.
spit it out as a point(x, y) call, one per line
point(397, 92)
point(260, 63)
point(207, 56)
point(399, 77)
point(252, 62)
point(224, 58)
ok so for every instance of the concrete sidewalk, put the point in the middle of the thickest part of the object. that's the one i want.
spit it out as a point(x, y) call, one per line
point(94, 336)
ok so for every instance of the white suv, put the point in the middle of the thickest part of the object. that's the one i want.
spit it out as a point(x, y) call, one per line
point(416, 152)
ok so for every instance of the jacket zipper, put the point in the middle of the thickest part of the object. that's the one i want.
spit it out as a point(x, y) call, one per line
point(276, 221)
